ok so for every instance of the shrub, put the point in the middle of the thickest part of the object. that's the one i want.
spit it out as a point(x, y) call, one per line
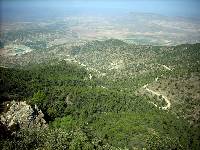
point(38, 99)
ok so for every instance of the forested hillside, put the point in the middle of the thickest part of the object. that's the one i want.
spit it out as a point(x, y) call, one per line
point(106, 95)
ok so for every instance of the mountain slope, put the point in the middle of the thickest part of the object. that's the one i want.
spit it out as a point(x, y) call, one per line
point(101, 95)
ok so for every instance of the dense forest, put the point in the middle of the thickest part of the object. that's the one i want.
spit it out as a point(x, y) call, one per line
point(98, 112)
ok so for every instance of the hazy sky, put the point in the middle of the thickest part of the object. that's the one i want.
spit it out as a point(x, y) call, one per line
point(15, 8)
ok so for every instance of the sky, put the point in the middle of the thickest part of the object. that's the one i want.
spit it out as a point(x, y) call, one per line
point(39, 8)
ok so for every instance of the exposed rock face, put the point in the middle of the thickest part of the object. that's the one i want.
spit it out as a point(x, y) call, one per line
point(22, 115)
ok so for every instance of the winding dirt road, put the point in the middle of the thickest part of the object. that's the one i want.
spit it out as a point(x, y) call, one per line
point(158, 94)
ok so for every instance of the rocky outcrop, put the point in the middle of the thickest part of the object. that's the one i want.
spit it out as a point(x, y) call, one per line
point(22, 115)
